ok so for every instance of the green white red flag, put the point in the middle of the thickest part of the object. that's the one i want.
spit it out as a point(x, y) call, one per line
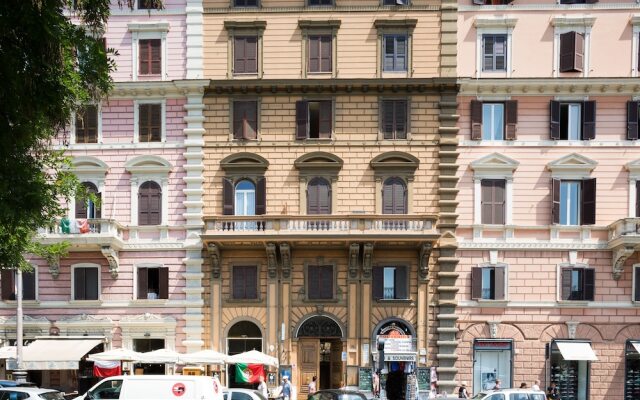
point(249, 373)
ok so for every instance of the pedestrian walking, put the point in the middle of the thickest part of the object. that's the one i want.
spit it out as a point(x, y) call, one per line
point(463, 393)
point(312, 385)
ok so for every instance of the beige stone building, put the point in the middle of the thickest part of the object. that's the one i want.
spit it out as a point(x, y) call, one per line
point(329, 187)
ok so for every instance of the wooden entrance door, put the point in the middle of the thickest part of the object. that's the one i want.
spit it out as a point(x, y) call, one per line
point(337, 374)
point(308, 362)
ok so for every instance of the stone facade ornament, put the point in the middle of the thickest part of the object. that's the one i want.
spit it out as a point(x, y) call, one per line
point(367, 260)
point(214, 255)
point(285, 255)
point(112, 257)
point(354, 251)
point(620, 256)
point(425, 253)
point(272, 264)
point(572, 327)
point(54, 266)
point(493, 328)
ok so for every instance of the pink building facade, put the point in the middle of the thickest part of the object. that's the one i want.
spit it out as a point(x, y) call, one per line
point(548, 200)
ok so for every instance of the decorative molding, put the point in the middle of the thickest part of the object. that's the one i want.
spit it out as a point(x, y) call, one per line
point(548, 245)
point(495, 22)
point(550, 87)
point(214, 256)
point(493, 328)
point(572, 165)
point(572, 327)
point(409, 23)
point(354, 251)
point(324, 9)
point(148, 164)
point(494, 164)
point(244, 163)
point(87, 165)
point(425, 254)
point(285, 257)
point(272, 263)
point(634, 168)
point(314, 24)
point(318, 163)
point(620, 256)
point(394, 162)
point(242, 25)
point(161, 26)
point(367, 260)
point(112, 257)
point(54, 266)
point(563, 21)
point(141, 90)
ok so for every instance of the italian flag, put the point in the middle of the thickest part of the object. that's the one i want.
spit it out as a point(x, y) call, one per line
point(249, 373)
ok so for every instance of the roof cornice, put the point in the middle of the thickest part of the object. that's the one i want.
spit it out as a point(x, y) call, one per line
point(549, 86)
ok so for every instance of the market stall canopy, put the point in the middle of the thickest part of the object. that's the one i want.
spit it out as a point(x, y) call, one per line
point(162, 356)
point(205, 357)
point(7, 352)
point(576, 351)
point(253, 357)
point(48, 354)
point(116, 355)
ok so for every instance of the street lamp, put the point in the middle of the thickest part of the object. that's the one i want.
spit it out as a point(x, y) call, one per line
point(19, 375)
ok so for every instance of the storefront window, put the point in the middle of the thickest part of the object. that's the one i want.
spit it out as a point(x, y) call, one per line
point(242, 337)
point(492, 360)
point(396, 359)
point(570, 364)
point(145, 346)
point(632, 370)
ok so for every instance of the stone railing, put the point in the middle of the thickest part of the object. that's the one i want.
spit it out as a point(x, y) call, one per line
point(626, 227)
point(94, 226)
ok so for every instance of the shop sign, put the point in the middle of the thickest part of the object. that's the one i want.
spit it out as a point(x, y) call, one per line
point(492, 345)
point(400, 357)
point(399, 345)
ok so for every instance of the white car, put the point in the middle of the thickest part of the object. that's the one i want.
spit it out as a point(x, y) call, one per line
point(29, 393)
point(507, 394)
point(240, 394)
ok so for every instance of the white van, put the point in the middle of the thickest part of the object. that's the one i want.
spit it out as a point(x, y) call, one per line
point(510, 394)
point(153, 387)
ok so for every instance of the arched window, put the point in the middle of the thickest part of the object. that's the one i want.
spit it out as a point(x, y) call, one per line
point(85, 207)
point(149, 204)
point(245, 194)
point(318, 196)
point(394, 196)
point(244, 336)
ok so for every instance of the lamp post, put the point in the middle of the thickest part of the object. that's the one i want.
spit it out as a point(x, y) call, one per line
point(19, 375)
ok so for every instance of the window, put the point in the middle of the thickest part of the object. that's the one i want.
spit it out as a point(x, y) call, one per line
point(318, 196)
point(15, 395)
point(494, 52)
point(571, 52)
point(636, 283)
point(85, 207)
point(578, 1)
point(245, 282)
point(390, 283)
point(149, 204)
point(395, 2)
point(491, 2)
point(314, 119)
point(394, 119)
point(85, 283)
point(320, 53)
point(633, 117)
point(573, 120)
point(107, 390)
point(574, 202)
point(394, 53)
point(245, 3)
point(245, 55)
point(493, 201)
point(320, 2)
point(149, 4)
point(488, 283)
point(245, 203)
point(244, 197)
point(87, 124)
point(320, 282)
point(245, 119)
point(494, 120)
point(577, 283)
point(153, 283)
point(9, 284)
point(150, 56)
point(394, 196)
point(149, 122)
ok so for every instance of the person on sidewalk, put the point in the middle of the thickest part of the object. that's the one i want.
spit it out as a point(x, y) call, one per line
point(463, 393)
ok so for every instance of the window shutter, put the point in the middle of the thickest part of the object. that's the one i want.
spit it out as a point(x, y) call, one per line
point(499, 278)
point(261, 196)
point(387, 197)
point(251, 281)
point(81, 207)
point(143, 122)
point(79, 284)
point(156, 57)
point(251, 120)
point(566, 283)
point(245, 118)
point(314, 54)
point(239, 64)
point(143, 57)
point(29, 285)
point(476, 120)
point(98, 209)
point(638, 199)
point(324, 198)
point(387, 119)
point(8, 284)
point(163, 278)
point(378, 282)
point(91, 283)
point(251, 54)
point(632, 120)
point(401, 289)
point(589, 282)
point(326, 282)
point(227, 196)
point(554, 111)
point(486, 201)
point(568, 51)
point(401, 119)
point(301, 119)
point(143, 282)
point(511, 119)
point(591, 1)
point(326, 54)
point(312, 198)
point(589, 120)
point(238, 282)
point(239, 110)
point(313, 280)
point(578, 64)
point(555, 201)
point(588, 207)
point(636, 280)
point(149, 204)
point(326, 116)
point(155, 204)
point(476, 283)
point(155, 134)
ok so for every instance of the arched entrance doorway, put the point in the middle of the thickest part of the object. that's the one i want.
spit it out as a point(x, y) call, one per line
point(395, 341)
point(320, 350)
point(242, 336)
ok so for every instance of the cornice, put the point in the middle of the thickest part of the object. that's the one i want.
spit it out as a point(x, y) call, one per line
point(569, 21)
point(550, 7)
point(314, 24)
point(549, 86)
point(495, 22)
point(157, 89)
point(395, 10)
point(148, 26)
point(547, 245)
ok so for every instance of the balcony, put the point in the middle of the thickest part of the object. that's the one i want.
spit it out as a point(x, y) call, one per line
point(93, 233)
point(624, 240)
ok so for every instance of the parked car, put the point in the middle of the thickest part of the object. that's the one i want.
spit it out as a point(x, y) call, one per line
point(29, 393)
point(242, 394)
point(151, 387)
point(509, 394)
point(336, 394)
point(5, 383)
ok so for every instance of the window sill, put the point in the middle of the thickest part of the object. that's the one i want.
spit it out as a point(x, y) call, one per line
point(394, 301)
point(149, 301)
point(316, 140)
point(573, 303)
point(314, 301)
point(86, 302)
point(492, 303)
point(24, 302)
point(243, 301)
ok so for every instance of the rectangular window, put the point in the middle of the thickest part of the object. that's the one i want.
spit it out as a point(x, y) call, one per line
point(491, 2)
point(573, 120)
point(578, 284)
point(494, 52)
point(574, 202)
point(320, 54)
point(636, 284)
point(245, 3)
point(245, 55)
point(488, 283)
point(245, 282)
point(571, 52)
point(492, 121)
point(314, 119)
point(395, 2)
point(492, 201)
point(320, 2)
point(394, 53)
point(633, 119)
point(150, 122)
point(153, 283)
point(87, 124)
point(9, 284)
point(149, 4)
point(245, 119)
point(320, 282)
point(85, 283)
point(150, 56)
point(390, 283)
point(569, 203)
point(394, 119)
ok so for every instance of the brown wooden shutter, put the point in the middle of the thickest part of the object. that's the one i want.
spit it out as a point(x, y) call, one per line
point(632, 120)
point(251, 54)
point(302, 119)
point(318, 197)
point(314, 53)
point(156, 56)
point(81, 207)
point(155, 123)
point(144, 57)
point(638, 199)
point(578, 64)
point(245, 116)
point(163, 283)
point(149, 204)
point(554, 111)
point(476, 120)
point(251, 282)
point(29, 285)
point(636, 280)
point(326, 117)
point(589, 282)
point(588, 206)
point(91, 283)
point(325, 54)
point(326, 282)
point(378, 282)
point(227, 196)
point(143, 283)
point(401, 119)
point(555, 201)
point(401, 281)
point(143, 122)
point(261, 196)
point(313, 280)
point(566, 283)
point(486, 201)
point(238, 282)
point(568, 51)
point(387, 119)
point(499, 278)
point(476, 283)
point(8, 284)
point(589, 120)
point(238, 119)
point(511, 119)
point(79, 286)
point(239, 63)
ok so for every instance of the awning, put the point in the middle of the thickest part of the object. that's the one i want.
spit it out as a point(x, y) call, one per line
point(7, 352)
point(576, 351)
point(636, 345)
point(44, 354)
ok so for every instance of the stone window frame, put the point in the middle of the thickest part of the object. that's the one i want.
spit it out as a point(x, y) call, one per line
point(258, 101)
point(73, 272)
point(575, 23)
point(394, 27)
point(635, 45)
point(163, 119)
point(148, 30)
point(494, 26)
point(394, 302)
point(148, 326)
point(493, 166)
point(635, 271)
point(319, 28)
point(72, 128)
point(408, 103)
point(321, 262)
point(634, 176)
point(136, 268)
point(307, 170)
point(404, 170)
point(249, 263)
point(245, 28)
point(88, 169)
point(490, 264)
point(572, 265)
point(158, 171)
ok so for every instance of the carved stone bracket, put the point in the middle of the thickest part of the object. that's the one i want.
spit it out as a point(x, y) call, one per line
point(112, 257)
point(54, 266)
point(285, 255)
point(425, 253)
point(367, 260)
point(272, 264)
point(620, 256)
point(354, 251)
point(214, 255)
